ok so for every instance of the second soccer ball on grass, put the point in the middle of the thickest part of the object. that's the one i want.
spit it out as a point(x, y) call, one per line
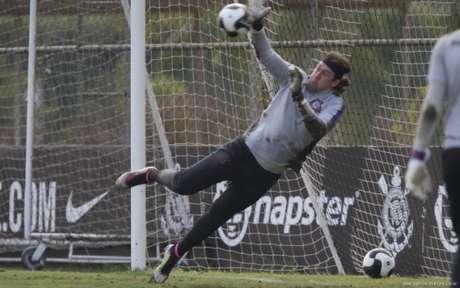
point(378, 263)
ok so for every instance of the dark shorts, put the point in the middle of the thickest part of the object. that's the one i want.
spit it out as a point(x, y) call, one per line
point(248, 181)
point(233, 162)
point(451, 174)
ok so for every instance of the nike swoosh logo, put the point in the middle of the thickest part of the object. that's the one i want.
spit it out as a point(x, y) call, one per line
point(73, 214)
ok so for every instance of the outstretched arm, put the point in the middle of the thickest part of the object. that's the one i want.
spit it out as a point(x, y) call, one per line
point(276, 65)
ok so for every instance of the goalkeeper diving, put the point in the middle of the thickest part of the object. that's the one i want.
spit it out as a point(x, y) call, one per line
point(303, 111)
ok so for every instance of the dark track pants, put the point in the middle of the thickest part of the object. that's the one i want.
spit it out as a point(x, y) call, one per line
point(248, 182)
point(451, 171)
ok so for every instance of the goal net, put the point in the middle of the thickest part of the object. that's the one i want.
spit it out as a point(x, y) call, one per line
point(203, 90)
point(210, 89)
point(353, 174)
point(420, 234)
point(81, 122)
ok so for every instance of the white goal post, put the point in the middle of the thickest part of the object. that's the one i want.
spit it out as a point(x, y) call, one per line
point(138, 215)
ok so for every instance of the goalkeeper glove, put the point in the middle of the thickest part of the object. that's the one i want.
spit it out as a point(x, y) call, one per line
point(418, 179)
point(255, 19)
point(295, 83)
point(315, 126)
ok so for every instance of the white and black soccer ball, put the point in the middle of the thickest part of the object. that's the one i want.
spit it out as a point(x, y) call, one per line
point(230, 17)
point(378, 263)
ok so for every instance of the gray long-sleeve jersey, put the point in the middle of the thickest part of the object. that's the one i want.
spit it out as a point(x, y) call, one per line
point(445, 69)
point(280, 134)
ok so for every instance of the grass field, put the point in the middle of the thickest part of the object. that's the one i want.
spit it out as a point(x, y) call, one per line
point(100, 278)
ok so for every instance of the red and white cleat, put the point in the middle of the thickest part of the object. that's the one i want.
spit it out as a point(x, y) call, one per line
point(145, 175)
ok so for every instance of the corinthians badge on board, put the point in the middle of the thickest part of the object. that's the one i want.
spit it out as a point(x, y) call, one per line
point(395, 227)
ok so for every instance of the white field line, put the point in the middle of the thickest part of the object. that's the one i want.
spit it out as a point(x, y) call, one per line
point(316, 283)
point(256, 279)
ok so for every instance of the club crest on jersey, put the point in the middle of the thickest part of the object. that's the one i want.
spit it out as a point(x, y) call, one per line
point(316, 105)
point(395, 227)
point(444, 223)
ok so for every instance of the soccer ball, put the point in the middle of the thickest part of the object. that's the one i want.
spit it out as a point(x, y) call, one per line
point(378, 263)
point(229, 19)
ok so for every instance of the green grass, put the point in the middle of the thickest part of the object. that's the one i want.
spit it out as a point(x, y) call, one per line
point(109, 278)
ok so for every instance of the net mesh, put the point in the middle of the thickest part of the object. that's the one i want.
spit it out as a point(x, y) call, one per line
point(81, 123)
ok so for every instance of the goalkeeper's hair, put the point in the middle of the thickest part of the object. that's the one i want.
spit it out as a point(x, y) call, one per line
point(342, 62)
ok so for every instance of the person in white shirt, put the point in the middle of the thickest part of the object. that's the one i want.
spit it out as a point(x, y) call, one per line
point(443, 89)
